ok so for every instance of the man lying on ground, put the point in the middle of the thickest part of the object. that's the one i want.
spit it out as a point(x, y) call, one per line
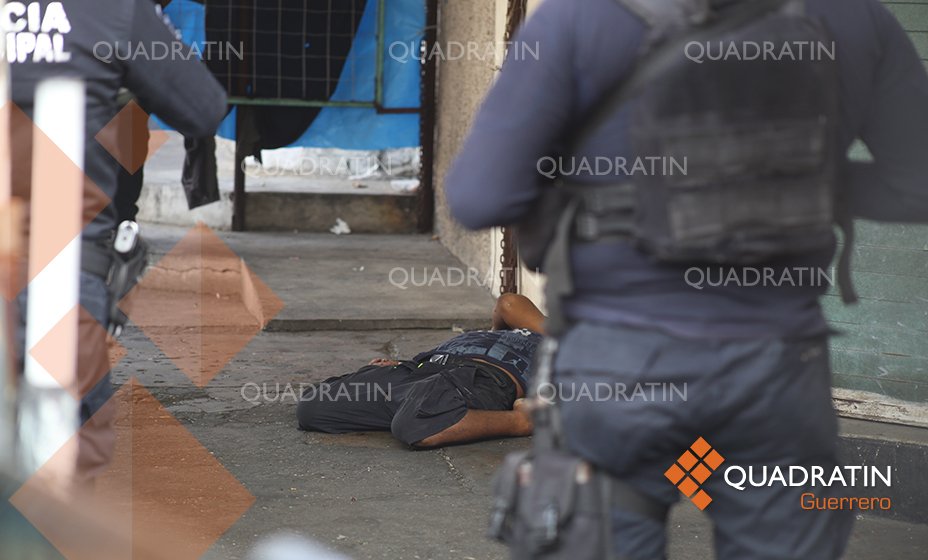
point(469, 388)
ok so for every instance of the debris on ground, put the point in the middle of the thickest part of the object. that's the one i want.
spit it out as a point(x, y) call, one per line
point(341, 227)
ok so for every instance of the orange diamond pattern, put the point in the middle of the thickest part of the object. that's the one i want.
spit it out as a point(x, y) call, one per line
point(57, 168)
point(701, 473)
point(701, 499)
point(92, 366)
point(674, 474)
point(701, 447)
point(128, 139)
point(201, 305)
point(164, 496)
point(698, 470)
point(714, 460)
point(687, 460)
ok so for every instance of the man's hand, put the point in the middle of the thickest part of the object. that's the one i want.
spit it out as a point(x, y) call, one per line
point(524, 408)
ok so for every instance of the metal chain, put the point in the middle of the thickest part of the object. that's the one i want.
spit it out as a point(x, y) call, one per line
point(509, 259)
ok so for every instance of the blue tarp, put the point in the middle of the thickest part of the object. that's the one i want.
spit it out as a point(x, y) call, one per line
point(353, 128)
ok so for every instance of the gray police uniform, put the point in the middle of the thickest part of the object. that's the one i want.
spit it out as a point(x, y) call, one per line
point(754, 360)
point(98, 41)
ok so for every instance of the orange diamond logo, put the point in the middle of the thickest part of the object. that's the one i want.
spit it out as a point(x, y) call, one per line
point(692, 470)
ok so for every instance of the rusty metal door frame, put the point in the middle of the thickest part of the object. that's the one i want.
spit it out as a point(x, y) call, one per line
point(509, 259)
point(427, 119)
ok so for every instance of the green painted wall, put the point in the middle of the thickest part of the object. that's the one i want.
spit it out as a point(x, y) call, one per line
point(884, 348)
point(914, 17)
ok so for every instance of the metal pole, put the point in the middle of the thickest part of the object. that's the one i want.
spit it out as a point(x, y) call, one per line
point(238, 194)
point(426, 202)
point(509, 273)
point(381, 49)
point(8, 237)
point(284, 102)
point(49, 414)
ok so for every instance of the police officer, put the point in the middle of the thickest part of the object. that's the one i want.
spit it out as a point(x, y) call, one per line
point(754, 359)
point(109, 44)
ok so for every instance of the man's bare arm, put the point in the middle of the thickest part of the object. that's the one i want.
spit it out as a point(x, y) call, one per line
point(479, 425)
point(515, 311)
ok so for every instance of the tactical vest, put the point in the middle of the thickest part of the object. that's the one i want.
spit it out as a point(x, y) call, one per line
point(746, 96)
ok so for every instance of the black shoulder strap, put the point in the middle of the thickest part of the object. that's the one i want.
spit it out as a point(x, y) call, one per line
point(557, 260)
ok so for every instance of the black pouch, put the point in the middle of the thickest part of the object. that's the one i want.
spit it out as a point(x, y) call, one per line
point(551, 505)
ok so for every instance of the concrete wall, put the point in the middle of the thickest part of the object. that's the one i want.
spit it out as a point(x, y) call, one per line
point(462, 85)
point(461, 88)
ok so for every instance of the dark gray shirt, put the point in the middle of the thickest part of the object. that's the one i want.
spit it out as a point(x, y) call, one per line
point(110, 44)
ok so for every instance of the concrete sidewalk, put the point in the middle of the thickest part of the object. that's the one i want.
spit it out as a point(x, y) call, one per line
point(356, 282)
point(365, 495)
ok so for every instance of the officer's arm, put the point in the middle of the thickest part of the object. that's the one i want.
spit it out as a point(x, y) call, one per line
point(494, 180)
point(178, 89)
point(894, 187)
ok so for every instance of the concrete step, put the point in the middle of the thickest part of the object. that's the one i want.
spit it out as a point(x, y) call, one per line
point(353, 282)
point(319, 212)
point(278, 200)
point(903, 448)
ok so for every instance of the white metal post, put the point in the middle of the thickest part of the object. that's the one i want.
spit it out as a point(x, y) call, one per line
point(49, 414)
point(7, 387)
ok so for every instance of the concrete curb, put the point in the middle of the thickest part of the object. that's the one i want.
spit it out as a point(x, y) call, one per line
point(314, 325)
point(902, 447)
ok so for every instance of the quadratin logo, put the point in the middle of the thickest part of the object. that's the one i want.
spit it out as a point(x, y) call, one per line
point(692, 469)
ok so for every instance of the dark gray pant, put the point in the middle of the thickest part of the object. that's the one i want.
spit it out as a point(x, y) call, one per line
point(757, 402)
point(94, 298)
point(97, 437)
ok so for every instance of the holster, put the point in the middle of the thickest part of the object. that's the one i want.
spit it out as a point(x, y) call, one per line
point(551, 504)
point(121, 272)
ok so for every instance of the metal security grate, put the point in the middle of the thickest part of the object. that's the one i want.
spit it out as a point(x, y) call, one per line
point(292, 52)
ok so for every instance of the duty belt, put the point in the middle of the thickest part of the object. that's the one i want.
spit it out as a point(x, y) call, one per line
point(120, 262)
